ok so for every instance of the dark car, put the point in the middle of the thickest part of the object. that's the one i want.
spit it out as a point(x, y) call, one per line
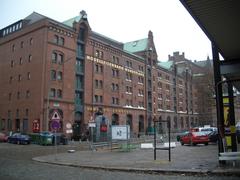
point(61, 138)
point(18, 138)
point(213, 136)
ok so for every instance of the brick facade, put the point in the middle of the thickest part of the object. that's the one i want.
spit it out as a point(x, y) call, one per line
point(68, 68)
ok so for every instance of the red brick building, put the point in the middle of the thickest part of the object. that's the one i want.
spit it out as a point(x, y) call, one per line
point(49, 67)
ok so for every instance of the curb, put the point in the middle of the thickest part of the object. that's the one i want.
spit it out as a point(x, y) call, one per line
point(184, 172)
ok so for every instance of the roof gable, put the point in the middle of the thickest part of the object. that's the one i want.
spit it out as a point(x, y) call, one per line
point(136, 46)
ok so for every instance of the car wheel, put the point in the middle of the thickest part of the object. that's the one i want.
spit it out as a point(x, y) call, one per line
point(194, 144)
point(182, 143)
point(206, 144)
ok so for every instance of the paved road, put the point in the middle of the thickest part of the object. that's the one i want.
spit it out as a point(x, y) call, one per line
point(16, 164)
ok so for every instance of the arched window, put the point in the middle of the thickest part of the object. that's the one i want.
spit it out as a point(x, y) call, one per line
point(115, 119)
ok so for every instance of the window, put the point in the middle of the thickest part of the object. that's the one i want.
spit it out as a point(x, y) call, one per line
point(61, 41)
point(80, 50)
point(160, 96)
point(115, 60)
point(98, 99)
point(54, 57)
point(53, 75)
point(168, 87)
point(115, 87)
point(128, 89)
point(55, 39)
point(129, 76)
point(59, 93)
point(26, 112)
point(140, 79)
point(59, 75)
point(98, 84)
point(99, 68)
point(81, 34)
point(19, 77)
point(129, 64)
point(28, 75)
point(17, 113)
point(12, 63)
point(79, 82)
point(60, 59)
point(115, 101)
point(22, 44)
point(99, 54)
point(159, 85)
point(13, 48)
point(10, 96)
point(31, 41)
point(30, 58)
point(20, 61)
point(140, 68)
point(18, 95)
point(115, 72)
point(52, 92)
point(10, 79)
point(27, 94)
point(167, 77)
point(140, 92)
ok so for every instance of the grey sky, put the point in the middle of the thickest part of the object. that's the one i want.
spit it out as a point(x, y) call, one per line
point(123, 20)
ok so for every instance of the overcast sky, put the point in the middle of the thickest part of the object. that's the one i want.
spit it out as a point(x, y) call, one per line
point(123, 20)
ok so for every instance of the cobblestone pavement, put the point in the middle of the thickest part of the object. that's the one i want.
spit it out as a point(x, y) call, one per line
point(184, 159)
point(16, 163)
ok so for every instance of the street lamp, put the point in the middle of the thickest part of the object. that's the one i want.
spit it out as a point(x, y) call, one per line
point(49, 87)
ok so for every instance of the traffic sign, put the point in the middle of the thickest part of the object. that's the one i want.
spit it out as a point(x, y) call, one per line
point(55, 125)
point(55, 116)
point(55, 120)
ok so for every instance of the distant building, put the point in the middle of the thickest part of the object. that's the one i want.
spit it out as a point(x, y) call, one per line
point(48, 67)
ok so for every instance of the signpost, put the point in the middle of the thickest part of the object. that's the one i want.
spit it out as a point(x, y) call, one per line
point(121, 132)
point(55, 125)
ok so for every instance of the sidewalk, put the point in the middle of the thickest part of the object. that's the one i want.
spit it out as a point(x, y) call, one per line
point(184, 159)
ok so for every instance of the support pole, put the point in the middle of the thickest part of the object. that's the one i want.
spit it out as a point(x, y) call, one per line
point(219, 97)
point(169, 140)
point(155, 140)
point(232, 117)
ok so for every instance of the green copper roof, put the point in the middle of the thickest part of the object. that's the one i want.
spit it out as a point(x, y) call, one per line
point(166, 65)
point(136, 46)
point(69, 22)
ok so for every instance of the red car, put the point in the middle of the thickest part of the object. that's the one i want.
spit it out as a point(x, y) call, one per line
point(3, 137)
point(194, 138)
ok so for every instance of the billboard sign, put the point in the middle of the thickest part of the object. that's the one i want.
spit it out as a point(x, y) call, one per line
point(120, 132)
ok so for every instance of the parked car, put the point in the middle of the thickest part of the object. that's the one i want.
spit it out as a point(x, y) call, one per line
point(47, 138)
point(179, 135)
point(194, 138)
point(213, 136)
point(61, 139)
point(3, 137)
point(19, 138)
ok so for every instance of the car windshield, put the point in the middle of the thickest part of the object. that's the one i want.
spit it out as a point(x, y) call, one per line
point(199, 133)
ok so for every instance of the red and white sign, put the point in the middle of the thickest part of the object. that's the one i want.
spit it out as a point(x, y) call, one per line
point(36, 125)
point(55, 121)
point(55, 116)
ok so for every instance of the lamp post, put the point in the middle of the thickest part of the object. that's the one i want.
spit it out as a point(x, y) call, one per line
point(49, 87)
